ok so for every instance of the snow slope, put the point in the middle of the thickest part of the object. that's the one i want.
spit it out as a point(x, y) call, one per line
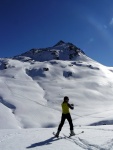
point(93, 138)
point(33, 85)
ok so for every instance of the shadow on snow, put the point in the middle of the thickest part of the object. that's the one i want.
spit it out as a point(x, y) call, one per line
point(46, 142)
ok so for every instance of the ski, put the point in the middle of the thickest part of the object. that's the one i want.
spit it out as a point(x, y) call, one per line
point(65, 136)
point(73, 135)
point(79, 133)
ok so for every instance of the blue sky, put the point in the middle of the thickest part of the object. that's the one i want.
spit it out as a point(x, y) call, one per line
point(26, 24)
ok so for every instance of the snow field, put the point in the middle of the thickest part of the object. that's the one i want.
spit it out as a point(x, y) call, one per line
point(93, 138)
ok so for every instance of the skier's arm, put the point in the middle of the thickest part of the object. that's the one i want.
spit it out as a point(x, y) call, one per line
point(71, 106)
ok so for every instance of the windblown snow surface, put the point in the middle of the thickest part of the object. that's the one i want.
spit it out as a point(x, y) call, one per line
point(31, 94)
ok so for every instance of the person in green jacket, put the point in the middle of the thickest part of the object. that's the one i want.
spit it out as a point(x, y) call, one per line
point(66, 115)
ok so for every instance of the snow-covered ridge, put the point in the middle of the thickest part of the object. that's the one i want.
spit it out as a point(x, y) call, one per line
point(60, 51)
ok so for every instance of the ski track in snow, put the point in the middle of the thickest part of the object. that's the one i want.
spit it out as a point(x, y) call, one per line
point(107, 146)
point(84, 144)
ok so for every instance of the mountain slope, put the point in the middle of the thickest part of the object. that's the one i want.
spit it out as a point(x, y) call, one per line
point(34, 84)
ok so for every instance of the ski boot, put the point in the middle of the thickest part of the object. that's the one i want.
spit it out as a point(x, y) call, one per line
point(57, 134)
point(72, 133)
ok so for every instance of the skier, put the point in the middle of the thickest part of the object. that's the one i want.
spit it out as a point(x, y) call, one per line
point(66, 115)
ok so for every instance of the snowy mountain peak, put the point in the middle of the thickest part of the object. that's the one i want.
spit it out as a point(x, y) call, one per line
point(60, 51)
point(59, 43)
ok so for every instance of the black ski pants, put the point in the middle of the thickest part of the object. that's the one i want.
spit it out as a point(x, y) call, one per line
point(63, 118)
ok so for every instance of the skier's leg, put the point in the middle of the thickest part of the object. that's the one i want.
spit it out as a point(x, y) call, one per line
point(70, 121)
point(60, 125)
point(71, 124)
point(62, 122)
